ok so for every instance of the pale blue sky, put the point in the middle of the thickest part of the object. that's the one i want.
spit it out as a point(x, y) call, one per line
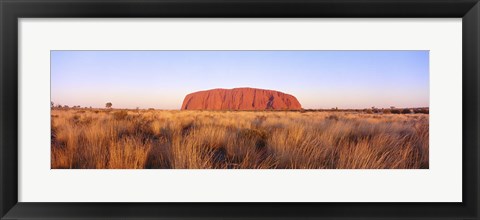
point(319, 79)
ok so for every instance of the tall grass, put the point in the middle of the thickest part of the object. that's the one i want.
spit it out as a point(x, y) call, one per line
point(121, 139)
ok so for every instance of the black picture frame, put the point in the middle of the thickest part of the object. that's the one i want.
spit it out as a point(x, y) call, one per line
point(11, 10)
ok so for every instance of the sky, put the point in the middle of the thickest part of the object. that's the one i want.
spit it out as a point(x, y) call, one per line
point(318, 79)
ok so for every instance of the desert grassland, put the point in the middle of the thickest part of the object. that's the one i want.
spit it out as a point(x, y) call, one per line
point(138, 139)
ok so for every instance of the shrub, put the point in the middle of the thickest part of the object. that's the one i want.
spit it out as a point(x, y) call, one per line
point(396, 111)
point(120, 115)
point(406, 111)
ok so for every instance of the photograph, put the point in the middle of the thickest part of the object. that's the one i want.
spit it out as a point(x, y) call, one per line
point(239, 109)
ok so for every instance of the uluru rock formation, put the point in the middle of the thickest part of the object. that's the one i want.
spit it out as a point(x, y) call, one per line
point(240, 99)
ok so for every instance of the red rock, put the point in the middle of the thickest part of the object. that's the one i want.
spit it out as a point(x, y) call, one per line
point(240, 99)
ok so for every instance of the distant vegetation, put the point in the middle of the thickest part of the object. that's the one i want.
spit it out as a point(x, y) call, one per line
point(373, 110)
point(307, 139)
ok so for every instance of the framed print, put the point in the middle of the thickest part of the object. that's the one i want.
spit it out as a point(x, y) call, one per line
point(239, 127)
point(224, 109)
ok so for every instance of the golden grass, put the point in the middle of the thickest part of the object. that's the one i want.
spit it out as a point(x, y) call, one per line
point(121, 139)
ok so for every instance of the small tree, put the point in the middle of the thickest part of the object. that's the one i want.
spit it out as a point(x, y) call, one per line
point(108, 105)
point(52, 104)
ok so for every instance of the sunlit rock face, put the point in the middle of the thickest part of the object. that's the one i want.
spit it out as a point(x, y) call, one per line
point(240, 99)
